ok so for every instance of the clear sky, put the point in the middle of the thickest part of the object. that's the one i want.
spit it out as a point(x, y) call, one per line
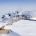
point(18, 4)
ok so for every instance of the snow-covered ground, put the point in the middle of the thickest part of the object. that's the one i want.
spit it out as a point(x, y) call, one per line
point(22, 28)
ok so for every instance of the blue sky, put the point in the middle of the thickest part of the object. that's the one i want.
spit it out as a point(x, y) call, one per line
point(26, 4)
point(19, 2)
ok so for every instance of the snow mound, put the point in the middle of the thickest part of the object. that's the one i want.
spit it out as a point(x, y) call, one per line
point(23, 28)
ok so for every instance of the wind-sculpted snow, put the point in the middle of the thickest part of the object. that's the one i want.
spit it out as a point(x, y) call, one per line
point(22, 28)
point(19, 26)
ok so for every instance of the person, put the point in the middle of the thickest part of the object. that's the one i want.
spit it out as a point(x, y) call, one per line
point(25, 17)
point(3, 16)
point(9, 14)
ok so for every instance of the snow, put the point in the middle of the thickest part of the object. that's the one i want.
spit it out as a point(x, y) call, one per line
point(33, 18)
point(2, 24)
point(22, 28)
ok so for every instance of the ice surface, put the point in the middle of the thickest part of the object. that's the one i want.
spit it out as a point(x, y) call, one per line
point(23, 28)
point(10, 34)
